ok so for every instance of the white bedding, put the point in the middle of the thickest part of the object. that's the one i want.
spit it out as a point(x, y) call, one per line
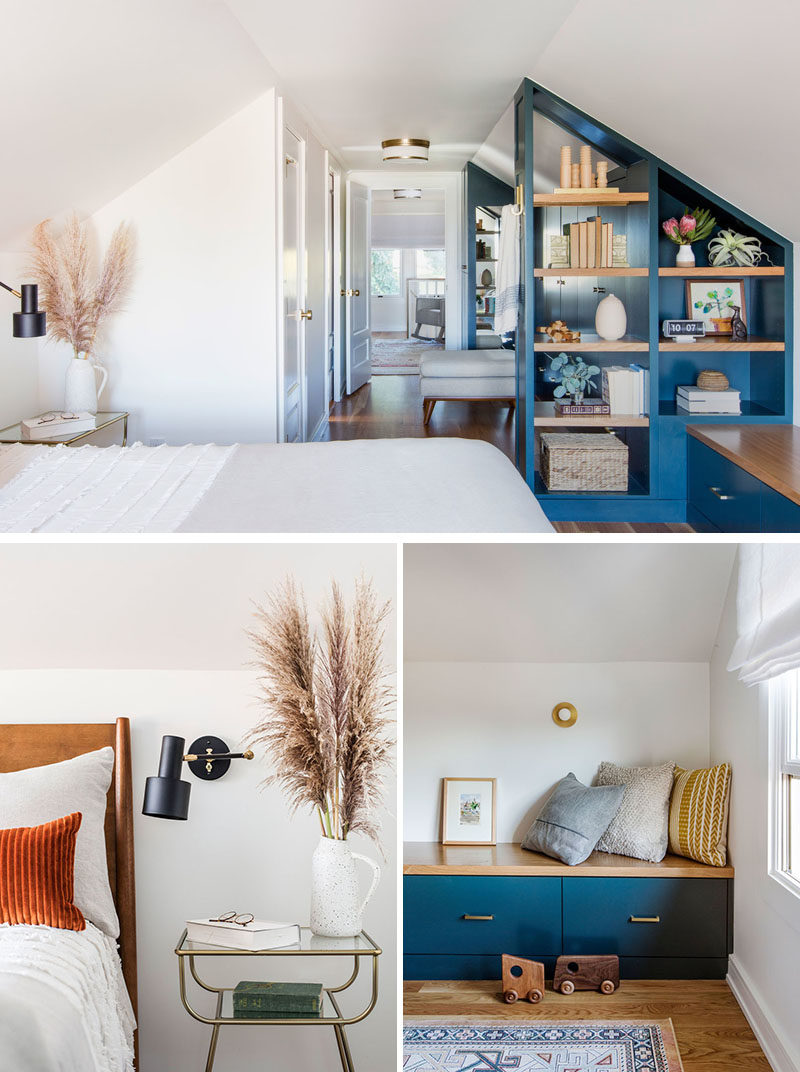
point(385, 485)
point(63, 1002)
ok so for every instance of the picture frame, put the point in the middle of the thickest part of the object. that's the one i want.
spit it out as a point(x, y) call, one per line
point(704, 297)
point(469, 811)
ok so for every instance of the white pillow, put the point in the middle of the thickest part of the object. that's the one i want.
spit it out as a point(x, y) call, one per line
point(40, 794)
point(641, 826)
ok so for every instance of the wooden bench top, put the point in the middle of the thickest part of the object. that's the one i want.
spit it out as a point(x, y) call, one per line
point(769, 452)
point(430, 858)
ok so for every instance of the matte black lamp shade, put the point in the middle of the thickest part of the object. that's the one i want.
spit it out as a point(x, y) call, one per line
point(31, 322)
point(167, 796)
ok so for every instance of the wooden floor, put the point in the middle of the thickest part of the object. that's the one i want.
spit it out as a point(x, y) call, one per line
point(712, 1033)
point(585, 526)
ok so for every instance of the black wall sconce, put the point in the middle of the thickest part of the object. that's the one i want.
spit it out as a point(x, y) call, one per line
point(30, 322)
point(166, 796)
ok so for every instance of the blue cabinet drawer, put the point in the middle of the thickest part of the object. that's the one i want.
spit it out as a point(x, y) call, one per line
point(778, 514)
point(600, 916)
point(728, 496)
point(523, 915)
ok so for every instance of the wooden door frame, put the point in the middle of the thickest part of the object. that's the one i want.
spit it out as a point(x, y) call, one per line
point(333, 285)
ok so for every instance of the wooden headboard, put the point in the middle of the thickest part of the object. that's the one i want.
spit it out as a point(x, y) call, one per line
point(34, 745)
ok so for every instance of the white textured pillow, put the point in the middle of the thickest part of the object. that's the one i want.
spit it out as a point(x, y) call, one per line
point(40, 794)
point(641, 826)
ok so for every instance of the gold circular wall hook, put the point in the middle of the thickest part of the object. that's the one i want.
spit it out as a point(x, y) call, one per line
point(565, 722)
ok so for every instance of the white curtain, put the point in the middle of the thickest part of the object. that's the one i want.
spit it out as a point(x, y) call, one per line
point(507, 276)
point(768, 612)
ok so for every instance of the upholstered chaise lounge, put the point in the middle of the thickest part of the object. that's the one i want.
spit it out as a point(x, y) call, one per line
point(466, 375)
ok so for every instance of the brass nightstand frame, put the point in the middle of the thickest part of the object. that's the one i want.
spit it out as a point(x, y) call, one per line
point(338, 1022)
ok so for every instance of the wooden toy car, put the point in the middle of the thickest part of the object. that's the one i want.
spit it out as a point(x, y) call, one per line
point(587, 973)
point(522, 978)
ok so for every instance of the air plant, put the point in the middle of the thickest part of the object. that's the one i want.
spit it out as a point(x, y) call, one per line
point(575, 374)
point(325, 700)
point(692, 226)
point(77, 296)
point(730, 247)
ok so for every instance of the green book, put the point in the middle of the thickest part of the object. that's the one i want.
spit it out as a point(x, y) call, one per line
point(272, 1014)
point(277, 999)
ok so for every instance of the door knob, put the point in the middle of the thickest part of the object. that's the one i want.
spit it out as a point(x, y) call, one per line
point(305, 314)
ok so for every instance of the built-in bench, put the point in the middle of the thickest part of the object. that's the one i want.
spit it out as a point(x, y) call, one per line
point(744, 478)
point(466, 375)
point(463, 907)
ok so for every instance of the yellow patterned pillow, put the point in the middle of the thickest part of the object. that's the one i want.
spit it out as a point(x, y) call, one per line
point(698, 814)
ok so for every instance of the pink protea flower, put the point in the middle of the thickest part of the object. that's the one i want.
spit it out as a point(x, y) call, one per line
point(687, 225)
point(670, 227)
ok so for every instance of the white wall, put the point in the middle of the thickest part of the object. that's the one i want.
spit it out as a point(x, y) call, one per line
point(193, 356)
point(763, 968)
point(494, 720)
point(161, 640)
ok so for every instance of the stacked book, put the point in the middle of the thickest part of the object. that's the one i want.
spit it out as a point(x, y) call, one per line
point(590, 243)
point(260, 934)
point(277, 1001)
point(53, 424)
point(626, 389)
point(695, 400)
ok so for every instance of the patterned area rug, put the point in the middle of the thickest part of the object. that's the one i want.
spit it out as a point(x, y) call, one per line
point(399, 357)
point(541, 1046)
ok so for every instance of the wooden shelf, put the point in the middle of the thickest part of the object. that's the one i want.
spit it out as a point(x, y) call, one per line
point(480, 233)
point(486, 260)
point(566, 273)
point(544, 416)
point(708, 343)
point(589, 197)
point(711, 273)
point(429, 858)
point(593, 343)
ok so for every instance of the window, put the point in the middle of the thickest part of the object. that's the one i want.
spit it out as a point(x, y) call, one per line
point(785, 748)
point(385, 273)
point(430, 263)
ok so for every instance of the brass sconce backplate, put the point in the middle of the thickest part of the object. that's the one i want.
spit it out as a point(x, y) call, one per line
point(565, 722)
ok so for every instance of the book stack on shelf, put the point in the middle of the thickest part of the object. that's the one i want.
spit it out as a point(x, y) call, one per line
point(695, 400)
point(591, 245)
point(626, 388)
point(258, 934)
point(277, 1001)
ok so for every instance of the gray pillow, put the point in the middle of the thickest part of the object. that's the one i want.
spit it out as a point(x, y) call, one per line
point(573, 819)
point(641, 828)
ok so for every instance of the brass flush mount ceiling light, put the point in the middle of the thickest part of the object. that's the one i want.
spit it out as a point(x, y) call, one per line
point(405, 149)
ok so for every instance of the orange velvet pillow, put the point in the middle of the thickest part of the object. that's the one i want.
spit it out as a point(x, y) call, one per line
point(37, 872)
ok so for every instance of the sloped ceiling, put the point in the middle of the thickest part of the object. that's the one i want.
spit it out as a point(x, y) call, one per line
point(582, 602)
point(98, 94)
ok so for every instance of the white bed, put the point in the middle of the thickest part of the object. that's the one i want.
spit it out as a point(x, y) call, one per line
point(400, 485)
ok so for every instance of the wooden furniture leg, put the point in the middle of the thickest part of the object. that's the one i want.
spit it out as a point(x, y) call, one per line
point(427, 409)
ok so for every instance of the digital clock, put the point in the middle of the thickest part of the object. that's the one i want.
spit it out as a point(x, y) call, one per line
point(685, 330)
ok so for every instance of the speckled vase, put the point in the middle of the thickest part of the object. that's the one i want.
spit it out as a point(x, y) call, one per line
point(81, 391)
point(336, 905)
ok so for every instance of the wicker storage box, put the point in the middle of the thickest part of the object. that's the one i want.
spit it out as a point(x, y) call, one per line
point(583, 461)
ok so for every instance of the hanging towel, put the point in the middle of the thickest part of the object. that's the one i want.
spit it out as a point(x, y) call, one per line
point(508, 277)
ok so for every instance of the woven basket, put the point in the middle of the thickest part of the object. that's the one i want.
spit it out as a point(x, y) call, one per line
point(712, 380)
point(584, 461)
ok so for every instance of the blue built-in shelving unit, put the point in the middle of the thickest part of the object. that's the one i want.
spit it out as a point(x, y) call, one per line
point(652, 289)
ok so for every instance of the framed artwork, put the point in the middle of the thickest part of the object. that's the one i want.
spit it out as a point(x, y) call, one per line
point(712, 301)
point(469, 811)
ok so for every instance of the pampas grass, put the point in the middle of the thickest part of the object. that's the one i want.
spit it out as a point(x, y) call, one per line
point(326, 705)
point(77, 298)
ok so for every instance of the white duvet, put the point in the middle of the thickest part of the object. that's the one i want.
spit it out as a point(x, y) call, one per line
point(63, 1002)
point(382, 485)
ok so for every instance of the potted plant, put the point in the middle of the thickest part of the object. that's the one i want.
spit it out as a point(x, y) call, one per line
point(692, 227)
point(326, 727)
point(722, 303)
point(576, 376)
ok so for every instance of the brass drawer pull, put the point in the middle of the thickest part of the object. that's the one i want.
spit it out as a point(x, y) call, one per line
point(644, 919)
point(477, 917)
point(719, 495)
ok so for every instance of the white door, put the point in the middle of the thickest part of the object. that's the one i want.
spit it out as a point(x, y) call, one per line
point(316, 356)
point(293, 288)
point(359, 368)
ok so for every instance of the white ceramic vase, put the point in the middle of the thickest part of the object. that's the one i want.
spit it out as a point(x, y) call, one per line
point(611, 320)
point(685, 256)
point(81, 390)
point(336, 904)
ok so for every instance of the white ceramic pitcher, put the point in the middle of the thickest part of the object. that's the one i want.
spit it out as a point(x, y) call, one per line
point(81, 391)
point(336, 905)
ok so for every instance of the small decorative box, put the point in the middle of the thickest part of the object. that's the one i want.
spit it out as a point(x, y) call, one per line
point(584, 461)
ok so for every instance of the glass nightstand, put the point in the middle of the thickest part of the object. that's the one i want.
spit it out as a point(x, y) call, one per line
point(310, 945)
point(13, 434)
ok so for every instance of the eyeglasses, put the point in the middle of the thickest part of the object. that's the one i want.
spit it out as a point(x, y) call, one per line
point(242, 919)
point(48, 418)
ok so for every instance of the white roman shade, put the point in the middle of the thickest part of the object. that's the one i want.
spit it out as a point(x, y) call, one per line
point(768, 612)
